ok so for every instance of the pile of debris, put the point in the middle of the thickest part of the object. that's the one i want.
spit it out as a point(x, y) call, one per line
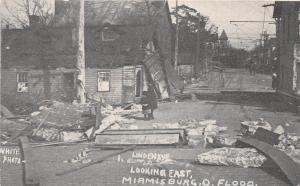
point(68, 122)
point(289, 143)
point(242, 157)
point(197, 131)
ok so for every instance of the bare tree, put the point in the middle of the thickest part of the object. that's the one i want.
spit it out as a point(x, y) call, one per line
point(19, 12)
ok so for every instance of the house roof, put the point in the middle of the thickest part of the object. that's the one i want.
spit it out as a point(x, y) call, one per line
point(52, 47)
point(31, 46)
point(223, 36)
point(114, 12)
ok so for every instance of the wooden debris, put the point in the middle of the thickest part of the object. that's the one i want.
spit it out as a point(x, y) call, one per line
point(142, 137)
point(30, 174)
point(5, 112)
point(24, 132)
point(283, 161)
point(95, 162)
point(267, 136)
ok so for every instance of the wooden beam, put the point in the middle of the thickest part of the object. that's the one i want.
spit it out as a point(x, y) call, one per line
point(30, 173)
point(283, 161)
point(142, 137)
point(151, 131)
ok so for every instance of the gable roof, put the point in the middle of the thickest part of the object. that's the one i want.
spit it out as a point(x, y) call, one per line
point(35, 48)
point(223, 36)
point(114, 12)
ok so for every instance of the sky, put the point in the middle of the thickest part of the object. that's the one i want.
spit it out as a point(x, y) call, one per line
point(221, 12)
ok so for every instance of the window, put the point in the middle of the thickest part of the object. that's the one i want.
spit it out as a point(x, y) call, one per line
point(108, 35)
point(103, 81)
point(22, 82)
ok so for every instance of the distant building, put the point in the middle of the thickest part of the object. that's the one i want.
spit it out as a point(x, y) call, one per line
point(126, 48)
point(286, 15)
point(223, 43)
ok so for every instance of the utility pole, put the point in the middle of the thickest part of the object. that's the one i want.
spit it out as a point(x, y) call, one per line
point(80, 83)
point(0, 59)
point(197, 60)
point(176, 40)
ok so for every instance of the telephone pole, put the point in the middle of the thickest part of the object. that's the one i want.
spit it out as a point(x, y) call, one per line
point(0, 59)
point(80, 83)
point(176, 40)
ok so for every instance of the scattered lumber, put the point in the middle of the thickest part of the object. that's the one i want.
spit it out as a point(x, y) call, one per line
point(24, 132)
point(95, 162)
point(58, 143)
point(5, 112)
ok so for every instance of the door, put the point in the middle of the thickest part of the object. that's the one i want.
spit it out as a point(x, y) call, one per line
point(69, 87)
point(138, 81)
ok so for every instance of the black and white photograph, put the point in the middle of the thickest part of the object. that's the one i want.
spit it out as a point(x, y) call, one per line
point(149, 93)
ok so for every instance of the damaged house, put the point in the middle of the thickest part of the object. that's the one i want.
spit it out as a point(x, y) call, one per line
point(287, 18)
point(127, 46)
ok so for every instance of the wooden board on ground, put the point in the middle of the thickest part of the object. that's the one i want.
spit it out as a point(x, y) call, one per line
point(284, 162)
point(150, 131)
point(138, 139)
point(30, 174)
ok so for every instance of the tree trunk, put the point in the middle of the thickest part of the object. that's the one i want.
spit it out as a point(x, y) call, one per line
point(81, 55)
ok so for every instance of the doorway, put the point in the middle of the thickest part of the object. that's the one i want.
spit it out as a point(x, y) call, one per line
point(138, 81)
point(69, 87)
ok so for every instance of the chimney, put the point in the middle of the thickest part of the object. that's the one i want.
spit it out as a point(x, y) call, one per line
point(34, 20)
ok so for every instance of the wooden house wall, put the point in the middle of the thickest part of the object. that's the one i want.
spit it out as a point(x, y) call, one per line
point(41, 85)
point(114, 95)
point(185, 71)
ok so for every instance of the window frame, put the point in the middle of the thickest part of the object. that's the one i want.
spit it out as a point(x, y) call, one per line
point(109, 80)
point(106, 29)
point(22, 77)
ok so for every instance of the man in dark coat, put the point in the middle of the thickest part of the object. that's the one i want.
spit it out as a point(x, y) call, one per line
point(152, 100)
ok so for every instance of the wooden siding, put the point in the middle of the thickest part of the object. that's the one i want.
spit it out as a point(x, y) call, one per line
point(8, 82)
point(42, 84)
point(185, 71)
point(114, 95)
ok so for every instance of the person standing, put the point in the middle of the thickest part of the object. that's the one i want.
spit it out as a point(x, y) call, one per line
point(152, 100)
point(145, 101)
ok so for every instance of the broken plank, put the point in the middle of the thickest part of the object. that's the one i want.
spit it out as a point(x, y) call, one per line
point(138, 139)
point(266, 136)
point(283, 161)
point(30, 174)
